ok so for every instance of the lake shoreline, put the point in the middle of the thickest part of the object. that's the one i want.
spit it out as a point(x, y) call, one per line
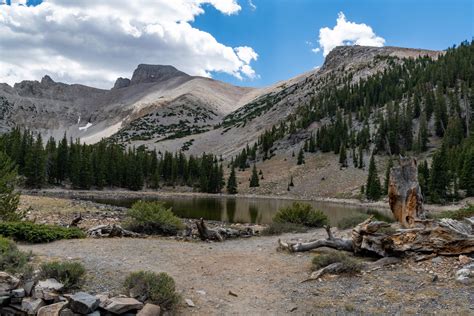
point(125, 194)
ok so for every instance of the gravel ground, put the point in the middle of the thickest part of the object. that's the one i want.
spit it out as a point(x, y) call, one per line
point(267, 282)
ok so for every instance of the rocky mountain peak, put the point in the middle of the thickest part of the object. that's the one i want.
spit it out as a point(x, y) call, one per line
point(46, 80)
point(154, 73)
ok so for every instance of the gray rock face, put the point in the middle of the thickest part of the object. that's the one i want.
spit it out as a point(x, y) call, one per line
point(31, 305)
point(83, 303)
point(466, 274)
point(154, 73)
point(121, 83)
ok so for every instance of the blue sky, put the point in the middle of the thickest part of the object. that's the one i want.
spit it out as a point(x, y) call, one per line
point(279, 30)
point(95, 41)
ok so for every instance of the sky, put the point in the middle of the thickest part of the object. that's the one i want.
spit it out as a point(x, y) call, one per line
point(243, 42)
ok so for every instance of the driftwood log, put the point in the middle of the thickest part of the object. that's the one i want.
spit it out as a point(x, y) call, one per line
point(221, 233)
point(109, 231)
point(444, 237)
point(417, 235)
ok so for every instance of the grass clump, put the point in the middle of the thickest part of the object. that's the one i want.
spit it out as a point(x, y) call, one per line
point(12, 260)
point(153, 218)
point(38, 233)
point(350, 265)
point(457, 215)
point(281, 228)
point(156, 288)
point(302, 214)
point(350, 222)
point(69, 273)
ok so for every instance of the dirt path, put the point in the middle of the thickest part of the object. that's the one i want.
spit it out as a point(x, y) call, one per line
point(267, 282)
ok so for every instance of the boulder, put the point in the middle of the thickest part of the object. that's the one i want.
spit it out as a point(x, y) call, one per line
point(4, 300)
point(466, 274)
point(18, 293)
point(51, 310)
point(7, 283)
point(149, 310)
point(48, 289)
point(31, 305)
point(120, 305)
point(83, 303)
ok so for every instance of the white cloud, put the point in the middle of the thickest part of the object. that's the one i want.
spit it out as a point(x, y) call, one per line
point(94, 42)
point(252, 5)
point(316, 50)
point(347, 33)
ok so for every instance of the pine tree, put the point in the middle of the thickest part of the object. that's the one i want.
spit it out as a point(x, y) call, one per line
point(343, 156)
point(9, 199)
point(35, 165)
point(254, 179)
point(232, 182)
point(454, 132)
point(387, 176)
point(373, 190)
point(439, 177)
point(361, 158)
point(300, 157)
point(467, 171)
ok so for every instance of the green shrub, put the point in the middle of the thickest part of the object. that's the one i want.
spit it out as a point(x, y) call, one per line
point(38, 233)
point(156, 288)
point(281, 228)
point(69, 273)
point(153, 218)
point(457, 215)
point(301, 213)
point(13, 260)
point(350, 265)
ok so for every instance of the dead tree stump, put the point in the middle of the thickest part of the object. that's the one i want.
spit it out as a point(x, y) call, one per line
point(404, 193)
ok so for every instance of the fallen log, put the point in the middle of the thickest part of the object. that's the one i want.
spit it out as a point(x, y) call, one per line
point(109, 231)
point(75, 221)
point(207, 233)
point(444, 237)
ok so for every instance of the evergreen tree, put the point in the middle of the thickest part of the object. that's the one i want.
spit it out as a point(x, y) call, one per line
point(439, 177)
point(343, 156)
point(254, 179)
point(373, 190)
point(9, 199)
point(232, 182)
point(387, 176)
point(35, 164)
point(361, 158)
point(424, 177)
point(300, 160)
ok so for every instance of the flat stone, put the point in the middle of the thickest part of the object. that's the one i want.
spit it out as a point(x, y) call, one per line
point(120, 305)
point(31, 305)
point(149, 310)
point(83, 303)
point(51, 284)
point(48, 289)
point(18, 293)
point(28, 287)
point(67, 312)
point(189, 302)
point(51, 310)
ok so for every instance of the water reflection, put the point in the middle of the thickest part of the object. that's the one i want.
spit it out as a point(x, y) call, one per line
point(244, 210)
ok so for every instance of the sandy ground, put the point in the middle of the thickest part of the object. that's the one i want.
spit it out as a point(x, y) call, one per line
point(266, 281)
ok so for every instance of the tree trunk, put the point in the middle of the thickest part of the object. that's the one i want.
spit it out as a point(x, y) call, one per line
point(404, 193)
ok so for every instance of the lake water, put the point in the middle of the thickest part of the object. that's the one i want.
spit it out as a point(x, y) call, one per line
point(243, 209)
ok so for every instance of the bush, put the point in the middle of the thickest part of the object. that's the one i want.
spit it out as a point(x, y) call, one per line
point(301, 213)
point(156, 288)
point(350, 265)
point(457, 215)
point(13, 260)
point(38, 233)
point(281, 228)
point(153, 218)
point(69, 273)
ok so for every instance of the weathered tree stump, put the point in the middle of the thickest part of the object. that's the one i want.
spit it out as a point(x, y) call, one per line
point(404, 193)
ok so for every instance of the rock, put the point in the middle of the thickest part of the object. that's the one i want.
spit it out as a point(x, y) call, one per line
point(121, 83)
point(4, 300)
point(28, 287)
point(149, 310)
point(67, 312)
point(96, 313)
point(437, 260)
point(8, 282)
point(83, 303)
point(48, 289)
point(232, 293)
point(189, 302)
point(31, 305)
point(466, 274)
point(18, 293)
point(464, 259)
point(51, 310)
point(120, 305)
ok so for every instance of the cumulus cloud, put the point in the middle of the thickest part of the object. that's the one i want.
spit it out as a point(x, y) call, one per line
point(347, 33)
point(94, 42)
